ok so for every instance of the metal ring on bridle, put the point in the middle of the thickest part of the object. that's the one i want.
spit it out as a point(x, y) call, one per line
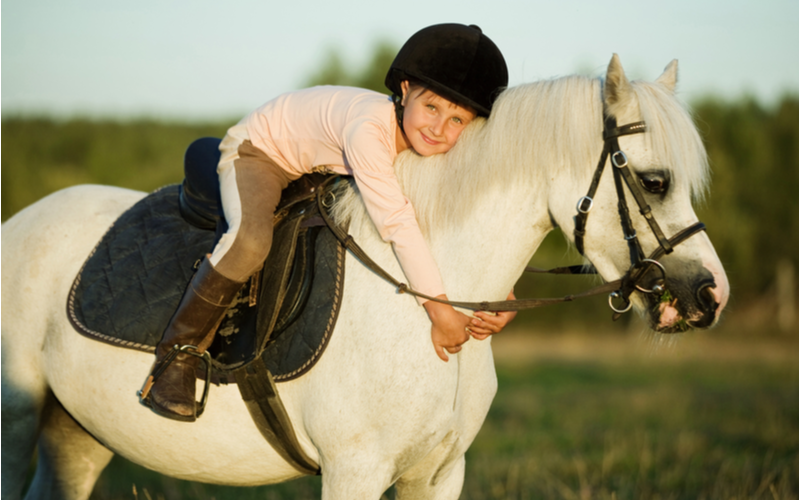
point(623, 163)
point(325, 202)
point(617, 295)
point(659, 286)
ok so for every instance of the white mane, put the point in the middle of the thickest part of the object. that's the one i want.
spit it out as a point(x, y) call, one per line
point(535, 131)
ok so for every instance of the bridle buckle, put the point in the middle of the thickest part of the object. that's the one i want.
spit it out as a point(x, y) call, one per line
point(585, 204)
point(619, 159)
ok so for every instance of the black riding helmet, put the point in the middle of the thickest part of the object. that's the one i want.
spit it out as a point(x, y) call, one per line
point(456, 61)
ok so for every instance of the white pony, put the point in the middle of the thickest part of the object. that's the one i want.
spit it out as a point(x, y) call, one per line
point(380, 408)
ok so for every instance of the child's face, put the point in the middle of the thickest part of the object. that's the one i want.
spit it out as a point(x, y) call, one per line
point(432, 123)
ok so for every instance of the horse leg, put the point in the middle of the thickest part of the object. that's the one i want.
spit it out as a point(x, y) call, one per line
point(70, 459)
point(357, 477)
point(440, 475)
point(19, 433)
point(24, 392)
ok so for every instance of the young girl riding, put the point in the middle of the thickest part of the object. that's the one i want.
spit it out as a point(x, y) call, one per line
point(442, 78)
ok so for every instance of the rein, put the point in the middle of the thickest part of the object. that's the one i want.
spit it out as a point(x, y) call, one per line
point(618, 290)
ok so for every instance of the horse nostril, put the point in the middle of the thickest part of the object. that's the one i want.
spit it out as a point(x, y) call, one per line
point(706, 298)
point(708, 305)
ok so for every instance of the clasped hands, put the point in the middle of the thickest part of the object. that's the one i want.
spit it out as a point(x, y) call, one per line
point(451, 329)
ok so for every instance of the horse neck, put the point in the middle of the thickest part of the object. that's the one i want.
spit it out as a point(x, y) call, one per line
point(485, 256)
point(483, 206)
point(487, 204)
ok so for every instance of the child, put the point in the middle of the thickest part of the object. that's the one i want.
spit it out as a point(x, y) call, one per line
point(441, 79)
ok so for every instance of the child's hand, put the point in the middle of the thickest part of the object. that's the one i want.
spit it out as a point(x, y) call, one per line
point(449, 330)
point(487, 323)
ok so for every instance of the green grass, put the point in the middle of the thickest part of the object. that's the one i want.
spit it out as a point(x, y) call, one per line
point(633, 430)
point(600, 426)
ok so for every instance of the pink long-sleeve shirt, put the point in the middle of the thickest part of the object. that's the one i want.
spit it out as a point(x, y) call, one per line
point(352, 132)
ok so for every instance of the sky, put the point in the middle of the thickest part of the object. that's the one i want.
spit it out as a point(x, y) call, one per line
point(203, 59)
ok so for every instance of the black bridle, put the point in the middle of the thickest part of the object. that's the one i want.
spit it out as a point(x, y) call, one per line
point(619, 290)
point(639, 264)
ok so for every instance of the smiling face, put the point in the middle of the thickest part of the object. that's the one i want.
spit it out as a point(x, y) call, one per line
point(432, 124)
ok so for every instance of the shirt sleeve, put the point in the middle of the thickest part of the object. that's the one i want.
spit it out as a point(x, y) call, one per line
point(369, 154)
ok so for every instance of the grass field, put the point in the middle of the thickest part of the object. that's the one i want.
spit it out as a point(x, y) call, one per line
point(712, 415)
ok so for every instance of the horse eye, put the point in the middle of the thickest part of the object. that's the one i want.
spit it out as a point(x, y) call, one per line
point(655, 182)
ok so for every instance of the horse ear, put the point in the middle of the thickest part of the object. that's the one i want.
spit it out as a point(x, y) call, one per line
point(617, 88)
point(670, 76)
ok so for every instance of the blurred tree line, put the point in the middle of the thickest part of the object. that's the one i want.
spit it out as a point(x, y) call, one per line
point(751, 211)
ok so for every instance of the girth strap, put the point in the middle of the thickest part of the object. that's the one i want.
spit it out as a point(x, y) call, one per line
point(261, 398)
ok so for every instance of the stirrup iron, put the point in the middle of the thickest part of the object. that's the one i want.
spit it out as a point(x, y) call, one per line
point(205, 357)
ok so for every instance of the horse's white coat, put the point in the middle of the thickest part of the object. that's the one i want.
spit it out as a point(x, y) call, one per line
point(380, 407)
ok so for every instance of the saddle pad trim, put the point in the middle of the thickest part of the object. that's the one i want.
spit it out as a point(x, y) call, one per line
point(83, 329)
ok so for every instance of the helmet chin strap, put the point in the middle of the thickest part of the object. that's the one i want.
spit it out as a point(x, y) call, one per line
point(398, 110)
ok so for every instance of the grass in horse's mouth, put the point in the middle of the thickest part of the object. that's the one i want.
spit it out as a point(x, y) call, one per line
point(680, 325)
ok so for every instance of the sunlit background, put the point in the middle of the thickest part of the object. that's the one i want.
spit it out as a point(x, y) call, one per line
point(108, 92)
point(210, 59)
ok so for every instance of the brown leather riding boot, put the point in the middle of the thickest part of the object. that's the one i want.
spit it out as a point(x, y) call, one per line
point(194, 323)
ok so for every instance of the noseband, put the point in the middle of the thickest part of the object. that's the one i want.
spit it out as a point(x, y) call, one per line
point(639, 264)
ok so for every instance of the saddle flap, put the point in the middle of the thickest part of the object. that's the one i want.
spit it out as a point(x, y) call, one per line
point(275, 277)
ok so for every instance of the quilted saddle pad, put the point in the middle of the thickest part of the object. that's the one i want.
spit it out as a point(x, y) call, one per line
point(131, 284)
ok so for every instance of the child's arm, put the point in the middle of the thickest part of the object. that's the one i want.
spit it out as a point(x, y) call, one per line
point(449, 330)
point(488, 323)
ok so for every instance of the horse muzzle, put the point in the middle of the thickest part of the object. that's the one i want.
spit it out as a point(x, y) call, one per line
point(686, 303)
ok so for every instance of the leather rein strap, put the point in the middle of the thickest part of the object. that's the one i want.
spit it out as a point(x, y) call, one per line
point(618, 289)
